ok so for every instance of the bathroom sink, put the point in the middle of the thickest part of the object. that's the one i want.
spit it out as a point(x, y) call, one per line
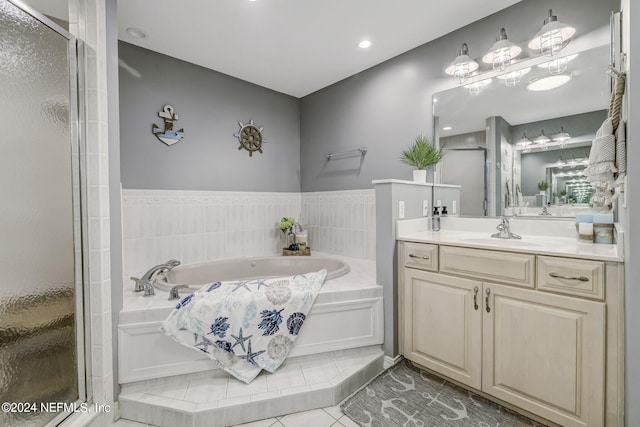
point(497, 241)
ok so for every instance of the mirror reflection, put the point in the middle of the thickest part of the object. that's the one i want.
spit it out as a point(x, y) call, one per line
point(517, 144)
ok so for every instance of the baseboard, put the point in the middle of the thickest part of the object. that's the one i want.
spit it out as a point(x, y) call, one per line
point(390, 361)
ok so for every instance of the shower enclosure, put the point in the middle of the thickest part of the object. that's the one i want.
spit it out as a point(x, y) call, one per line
point(41, 271)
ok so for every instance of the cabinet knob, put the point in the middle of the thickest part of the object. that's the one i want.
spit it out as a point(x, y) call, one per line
point(475, 298)
point(418, 257)
point(486, 301)
point(580, 278)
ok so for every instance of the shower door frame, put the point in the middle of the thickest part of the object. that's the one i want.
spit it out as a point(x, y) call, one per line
point(77, 121)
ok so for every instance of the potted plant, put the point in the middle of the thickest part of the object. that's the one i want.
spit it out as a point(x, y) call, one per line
point(286, 226)
point(421, 154)
point(543, 186)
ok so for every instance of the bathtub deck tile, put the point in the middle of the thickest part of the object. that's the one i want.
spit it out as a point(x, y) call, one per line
point(265, 396)
point(286, 377)
point(201, 390)
point(317, 373)
point(237, 388)
point(214, 398)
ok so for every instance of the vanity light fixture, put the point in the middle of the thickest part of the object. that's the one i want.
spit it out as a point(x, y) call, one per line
point(524, 141)
point(364, 44)
point(548, 83)
point(476, 88)
point(552, 37)
point(512, 78)
point(561, 137)
point(542, 140)
point(462, 67)
point(502, 52)
point(559, 65)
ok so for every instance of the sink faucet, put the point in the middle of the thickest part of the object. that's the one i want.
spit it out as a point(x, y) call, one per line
point(144, 283)
point(544, 211)
point(503, 230)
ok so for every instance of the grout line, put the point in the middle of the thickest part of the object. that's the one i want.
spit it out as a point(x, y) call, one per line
point(336, 419)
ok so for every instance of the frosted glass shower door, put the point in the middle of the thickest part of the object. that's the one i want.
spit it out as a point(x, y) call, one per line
point(38, 276)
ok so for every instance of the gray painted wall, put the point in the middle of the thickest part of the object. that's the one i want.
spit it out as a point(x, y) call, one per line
point(580, 126)
point(388, 196)
point(209, 106)
point(385, 107)
point(534, 166)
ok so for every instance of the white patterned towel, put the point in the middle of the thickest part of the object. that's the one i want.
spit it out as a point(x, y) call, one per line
point(245, 325)
point(602, 157)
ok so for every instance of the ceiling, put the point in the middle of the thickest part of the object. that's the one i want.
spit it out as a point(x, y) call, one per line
point(291, 46)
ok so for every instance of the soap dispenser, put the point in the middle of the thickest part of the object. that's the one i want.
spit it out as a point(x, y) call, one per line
point(435, 220)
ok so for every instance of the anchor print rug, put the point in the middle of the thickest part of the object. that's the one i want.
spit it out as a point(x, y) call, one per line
point(245, 325)
point(406, 396)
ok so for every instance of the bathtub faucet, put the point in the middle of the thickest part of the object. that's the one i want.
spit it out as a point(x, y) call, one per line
point(144, 283)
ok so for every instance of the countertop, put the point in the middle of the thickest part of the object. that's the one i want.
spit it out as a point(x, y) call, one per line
point(535, 243)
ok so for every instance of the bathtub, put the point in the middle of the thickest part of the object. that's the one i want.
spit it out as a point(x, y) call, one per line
point(347, 313)
point(196, 275)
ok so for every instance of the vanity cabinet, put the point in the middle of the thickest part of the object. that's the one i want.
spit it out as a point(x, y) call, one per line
point(547, 344)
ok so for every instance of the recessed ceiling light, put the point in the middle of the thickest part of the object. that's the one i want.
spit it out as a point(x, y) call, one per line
point(548, 83)
point(364, 44)
point(447, 128)
point(136, 33)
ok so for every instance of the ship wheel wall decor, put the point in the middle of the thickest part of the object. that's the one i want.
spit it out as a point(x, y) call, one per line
point(250, 137)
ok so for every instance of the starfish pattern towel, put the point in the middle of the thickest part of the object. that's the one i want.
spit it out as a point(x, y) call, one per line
point(245, 325)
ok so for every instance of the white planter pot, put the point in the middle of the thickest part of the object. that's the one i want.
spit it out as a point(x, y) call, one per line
point(419, 175)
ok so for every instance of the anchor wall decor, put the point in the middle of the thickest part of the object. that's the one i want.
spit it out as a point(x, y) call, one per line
point(250, 137)
point(167, 135)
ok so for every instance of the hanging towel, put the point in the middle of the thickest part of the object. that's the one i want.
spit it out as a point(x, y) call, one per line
point(601, 167)
point(621, 150)
point(245, 325)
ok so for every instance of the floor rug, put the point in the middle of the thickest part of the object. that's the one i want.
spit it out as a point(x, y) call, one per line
point(406, 396)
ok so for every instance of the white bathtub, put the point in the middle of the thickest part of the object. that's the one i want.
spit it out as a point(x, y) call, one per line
point(196, 275)
point(346, 314)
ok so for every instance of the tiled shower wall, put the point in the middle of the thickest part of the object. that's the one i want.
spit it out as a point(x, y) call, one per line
point(195, 226)
point(342, 222)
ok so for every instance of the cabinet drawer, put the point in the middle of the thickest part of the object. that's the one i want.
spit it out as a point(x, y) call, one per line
point(495, 266)
point(421, 256)
point(571, 276)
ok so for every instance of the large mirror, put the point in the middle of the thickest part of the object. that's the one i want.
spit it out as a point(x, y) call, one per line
point(492, 129)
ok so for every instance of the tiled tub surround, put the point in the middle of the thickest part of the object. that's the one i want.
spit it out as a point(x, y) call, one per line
point(337, 351)
point(342, 222)
point(195, 226)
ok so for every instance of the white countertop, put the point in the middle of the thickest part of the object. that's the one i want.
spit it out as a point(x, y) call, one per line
point(535, 242)
point(402, 181)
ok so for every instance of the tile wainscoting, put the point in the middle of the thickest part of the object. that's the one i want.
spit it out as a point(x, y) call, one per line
point(342, 222)
point(195, 226)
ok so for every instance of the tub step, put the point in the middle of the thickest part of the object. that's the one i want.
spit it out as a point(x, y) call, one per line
point(214, 398)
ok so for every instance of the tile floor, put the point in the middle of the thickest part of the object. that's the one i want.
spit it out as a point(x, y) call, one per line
point(326, 417)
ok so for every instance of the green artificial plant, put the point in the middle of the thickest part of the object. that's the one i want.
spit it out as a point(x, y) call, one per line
point(421, 153)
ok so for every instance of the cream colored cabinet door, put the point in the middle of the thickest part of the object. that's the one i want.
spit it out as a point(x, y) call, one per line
point(443, 324)
point(545, 353)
